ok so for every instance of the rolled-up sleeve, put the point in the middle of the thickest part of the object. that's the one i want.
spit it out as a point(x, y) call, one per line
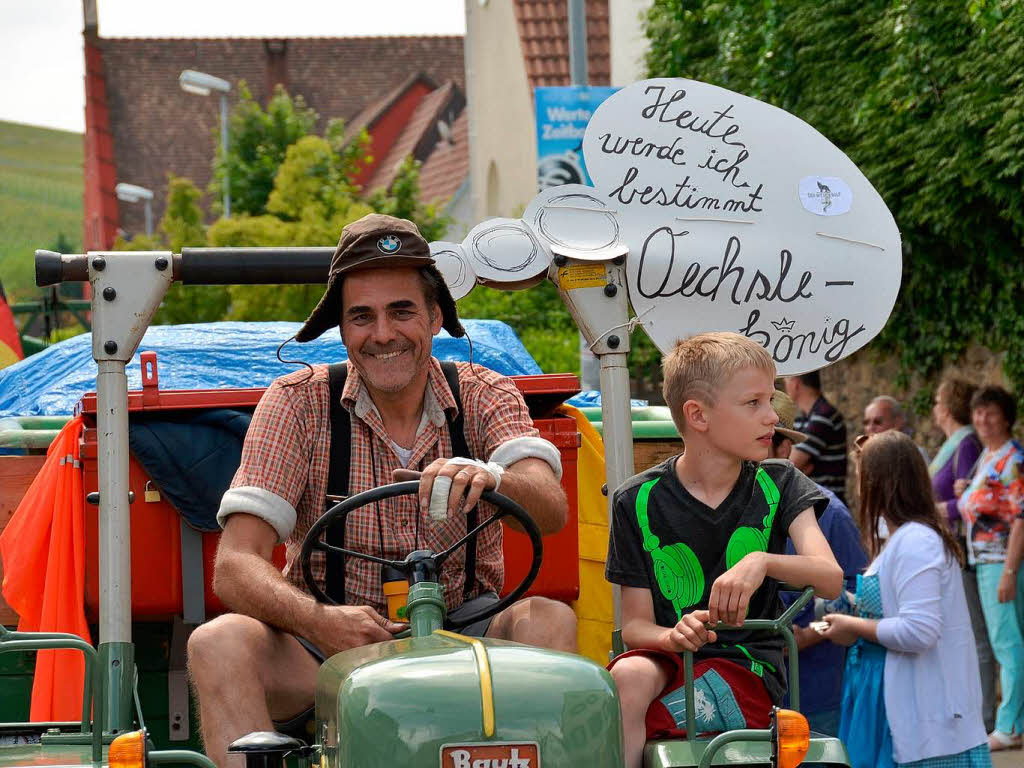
point(271, 477)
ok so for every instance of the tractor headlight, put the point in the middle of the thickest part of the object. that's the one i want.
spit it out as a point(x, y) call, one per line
point(791, 738)
point(128, 750)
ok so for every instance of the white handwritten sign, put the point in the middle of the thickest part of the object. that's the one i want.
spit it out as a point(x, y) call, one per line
point(451, 262)
point(576, 219)
point(506, 252)
point(738, 216)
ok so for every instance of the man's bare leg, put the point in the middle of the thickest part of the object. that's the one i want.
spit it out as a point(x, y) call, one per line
point(537, 621)
point(246, 674)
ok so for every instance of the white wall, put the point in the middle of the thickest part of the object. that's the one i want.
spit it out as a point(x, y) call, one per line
point(500, 104)
point(628, 44)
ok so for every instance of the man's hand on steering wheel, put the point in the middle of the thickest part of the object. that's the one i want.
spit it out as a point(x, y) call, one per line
point(460, 481)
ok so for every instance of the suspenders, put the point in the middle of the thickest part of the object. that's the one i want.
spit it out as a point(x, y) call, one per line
point(337, 475)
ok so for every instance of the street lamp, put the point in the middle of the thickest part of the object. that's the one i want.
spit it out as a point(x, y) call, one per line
point(132, 193)
point(204, 84)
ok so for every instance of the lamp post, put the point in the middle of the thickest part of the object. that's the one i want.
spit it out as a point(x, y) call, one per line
point(204, 84)
point(132, 193)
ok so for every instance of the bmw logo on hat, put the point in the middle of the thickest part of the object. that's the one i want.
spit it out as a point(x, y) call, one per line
point(389, 244)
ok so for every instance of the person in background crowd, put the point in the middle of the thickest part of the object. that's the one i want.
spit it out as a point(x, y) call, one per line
point(954, 461)
point(911, 693)
point(884, 413)
point(821, 661)
point(822, 456)
point(989, 503)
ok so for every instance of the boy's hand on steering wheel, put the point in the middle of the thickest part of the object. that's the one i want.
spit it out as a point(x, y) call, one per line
point(448, 484)
point(731, 592)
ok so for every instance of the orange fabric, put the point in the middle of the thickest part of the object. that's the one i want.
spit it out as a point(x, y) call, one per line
point(43, 551)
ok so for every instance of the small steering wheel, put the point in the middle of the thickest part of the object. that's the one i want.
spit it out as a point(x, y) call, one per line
point(339, 513)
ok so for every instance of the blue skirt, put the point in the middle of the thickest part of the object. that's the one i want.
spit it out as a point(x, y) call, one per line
point(863, 726)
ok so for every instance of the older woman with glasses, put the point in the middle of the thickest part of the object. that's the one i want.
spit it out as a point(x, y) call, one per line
point(992, 505)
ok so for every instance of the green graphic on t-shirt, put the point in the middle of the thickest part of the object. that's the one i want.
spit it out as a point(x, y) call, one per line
point(748, 539)
point(677, 570)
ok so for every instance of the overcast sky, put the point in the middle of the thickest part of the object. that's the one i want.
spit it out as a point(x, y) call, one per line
point(41, 57)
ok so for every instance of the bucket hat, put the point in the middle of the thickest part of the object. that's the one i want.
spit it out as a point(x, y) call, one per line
point(786, 408)
point(377, 241)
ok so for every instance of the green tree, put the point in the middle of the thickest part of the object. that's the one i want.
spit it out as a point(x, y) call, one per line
point(312, 200)
point(926, 97)
point(257, 142)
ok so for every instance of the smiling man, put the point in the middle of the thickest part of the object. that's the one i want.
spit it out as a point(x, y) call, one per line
point(402, 411)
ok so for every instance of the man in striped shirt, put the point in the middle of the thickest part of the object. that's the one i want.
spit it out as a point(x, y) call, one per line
point(822, 456)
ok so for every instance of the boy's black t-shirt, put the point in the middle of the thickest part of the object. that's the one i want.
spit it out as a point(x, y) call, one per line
point(695, 544)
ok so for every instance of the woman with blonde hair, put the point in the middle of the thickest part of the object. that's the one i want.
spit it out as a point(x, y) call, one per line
point(911, 693)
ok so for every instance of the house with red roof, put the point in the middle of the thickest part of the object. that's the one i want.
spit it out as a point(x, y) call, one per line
point(407, 92)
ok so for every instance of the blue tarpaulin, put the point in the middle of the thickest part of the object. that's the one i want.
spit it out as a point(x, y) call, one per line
point(215, 355)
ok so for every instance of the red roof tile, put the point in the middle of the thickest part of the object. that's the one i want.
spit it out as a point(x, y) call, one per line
point(447, 167)
point(420, 134)
point(544, 35)
point(373, 111)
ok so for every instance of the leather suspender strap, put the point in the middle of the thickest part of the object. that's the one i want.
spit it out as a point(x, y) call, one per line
point(337, 479)
point(337, 476)
point(457, 431)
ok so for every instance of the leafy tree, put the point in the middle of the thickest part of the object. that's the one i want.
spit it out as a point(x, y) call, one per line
point(312, 200)
point(403, 200)
point(257, 142)
point(926, 97)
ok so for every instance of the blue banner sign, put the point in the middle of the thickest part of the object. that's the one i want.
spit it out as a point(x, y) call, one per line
point(562, 117)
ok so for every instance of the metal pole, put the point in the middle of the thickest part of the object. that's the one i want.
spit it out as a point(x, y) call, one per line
point(578, 42)
point(116, 653)
point(618, 432)
point(590, 368)
point(224, 153)
point(149, 217)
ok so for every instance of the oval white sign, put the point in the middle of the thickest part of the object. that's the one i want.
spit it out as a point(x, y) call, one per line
point(739, 216)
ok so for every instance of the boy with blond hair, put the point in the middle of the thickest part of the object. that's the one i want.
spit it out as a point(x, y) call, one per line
point(700, 539)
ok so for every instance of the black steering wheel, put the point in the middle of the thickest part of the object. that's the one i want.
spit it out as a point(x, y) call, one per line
point(420, 566)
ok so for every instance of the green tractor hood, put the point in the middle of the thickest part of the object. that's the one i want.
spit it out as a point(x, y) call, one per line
point(399, 704)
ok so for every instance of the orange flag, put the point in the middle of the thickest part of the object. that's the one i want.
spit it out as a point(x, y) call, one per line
point(10, 344)
point(43, 551)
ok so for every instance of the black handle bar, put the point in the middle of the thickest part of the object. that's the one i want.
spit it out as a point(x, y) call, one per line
point(209, 266)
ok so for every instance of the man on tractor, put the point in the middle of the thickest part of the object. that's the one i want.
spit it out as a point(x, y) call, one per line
point(322, 434)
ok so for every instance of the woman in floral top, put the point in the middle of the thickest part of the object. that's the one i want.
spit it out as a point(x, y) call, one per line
point(991, 502)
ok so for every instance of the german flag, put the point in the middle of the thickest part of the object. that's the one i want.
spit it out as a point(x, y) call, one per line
point(10, 344)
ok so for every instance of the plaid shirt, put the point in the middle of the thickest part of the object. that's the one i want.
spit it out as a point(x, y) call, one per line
point(287, 453)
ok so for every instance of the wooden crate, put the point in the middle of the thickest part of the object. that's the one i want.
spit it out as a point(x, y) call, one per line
point(647, 453)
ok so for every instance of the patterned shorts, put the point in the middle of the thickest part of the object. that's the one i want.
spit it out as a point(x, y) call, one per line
point(726, 697)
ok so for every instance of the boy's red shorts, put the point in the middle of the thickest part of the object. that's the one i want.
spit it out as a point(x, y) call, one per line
point(726, 697)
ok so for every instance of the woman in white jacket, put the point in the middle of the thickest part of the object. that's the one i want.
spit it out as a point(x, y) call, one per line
point(910, 603)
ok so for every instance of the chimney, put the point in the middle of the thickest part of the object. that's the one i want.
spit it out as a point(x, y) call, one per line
point(277, 65)
point(92, 23)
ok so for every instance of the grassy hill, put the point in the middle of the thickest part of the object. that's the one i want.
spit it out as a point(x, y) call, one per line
point(40, 198)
